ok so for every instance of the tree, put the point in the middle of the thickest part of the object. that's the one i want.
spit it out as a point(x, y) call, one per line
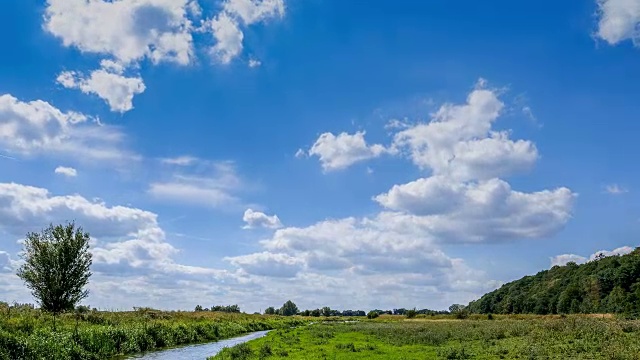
point(372, 314)
point(460, 311)
point(288, 309)
point(270, 311)
point(410, 314)
point(56, 267)
point(326, 311)
point(198, 308)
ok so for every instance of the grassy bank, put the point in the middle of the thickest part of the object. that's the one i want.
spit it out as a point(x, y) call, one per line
point(504, 338)
point(30, 334)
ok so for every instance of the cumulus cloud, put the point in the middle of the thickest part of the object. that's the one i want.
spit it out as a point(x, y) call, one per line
point(127, 30)
point(199, 182)
point(458, 141)
point(226, 27)
point(108, 83)
point(255, 219)
point(268, 264)
point(564, 259)
point(39, 128)
point(66, 171)
point(344, 150)
point(481, 211)
point(619, 20)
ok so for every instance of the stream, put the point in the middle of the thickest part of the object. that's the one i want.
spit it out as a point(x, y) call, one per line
point(199, 351)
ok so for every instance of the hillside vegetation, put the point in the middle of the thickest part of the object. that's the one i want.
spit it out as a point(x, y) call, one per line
point(604, 285)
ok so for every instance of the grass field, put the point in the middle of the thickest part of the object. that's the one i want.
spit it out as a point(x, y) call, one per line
point(27, 334)
point(523, 337)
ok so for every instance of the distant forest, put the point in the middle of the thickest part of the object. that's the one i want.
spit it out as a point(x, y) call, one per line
point(603, 285)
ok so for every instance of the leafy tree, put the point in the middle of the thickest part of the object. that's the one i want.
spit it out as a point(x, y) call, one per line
point(56, 267)
point(460, 311)
point(198, 308)
point(315, 313)
point(372, 314)
point(410, 314)
point(270, 311)
point(326, 311)
point(288, 309)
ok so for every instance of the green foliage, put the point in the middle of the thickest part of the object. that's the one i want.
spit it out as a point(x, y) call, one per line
point(508, 337)
point(604, 285)
point(226, 309)
point(410, 314)
point(288, 309)
point(56, 267)
point(26, 333)
point(459, 311)
point(372, 314)
point(270, 311)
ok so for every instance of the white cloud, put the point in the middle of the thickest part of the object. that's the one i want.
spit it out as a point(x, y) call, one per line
point(619, 20)
point(253, 11)
point(300, 154)
point(268, 264)
point(180, 160)
point(254, 63)
point(128, 30)
point(39, 128)
point(108, 83)
point(200, 182)
point(485, 211)
point(66, 171)
point(615, 189)
point(344, 150)
point(458, 141)
point(226, 27)
point(562, 260)
point(228, 37)
point(7, 265)
point(255, 219)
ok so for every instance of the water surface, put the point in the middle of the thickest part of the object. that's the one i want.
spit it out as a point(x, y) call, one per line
point(198, 352)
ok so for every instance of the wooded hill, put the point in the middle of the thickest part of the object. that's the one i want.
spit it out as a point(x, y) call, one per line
point(604, 285)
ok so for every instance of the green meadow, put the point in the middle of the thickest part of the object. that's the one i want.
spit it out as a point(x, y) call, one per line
point(504, 337)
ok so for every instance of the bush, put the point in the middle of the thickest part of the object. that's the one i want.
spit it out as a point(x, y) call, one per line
point(372, 315)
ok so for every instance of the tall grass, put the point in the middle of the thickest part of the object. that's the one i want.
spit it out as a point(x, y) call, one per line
point(31, 334)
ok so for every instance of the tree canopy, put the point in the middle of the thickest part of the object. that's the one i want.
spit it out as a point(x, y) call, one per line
point(603, 285)
point(56, 267)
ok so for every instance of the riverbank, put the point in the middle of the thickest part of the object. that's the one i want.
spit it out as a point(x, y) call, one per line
point(198, 351)
point(30, 334)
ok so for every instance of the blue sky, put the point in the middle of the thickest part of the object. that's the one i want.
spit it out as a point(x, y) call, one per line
point(389, 155)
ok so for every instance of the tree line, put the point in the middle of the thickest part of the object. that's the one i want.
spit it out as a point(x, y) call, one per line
point(603, 285)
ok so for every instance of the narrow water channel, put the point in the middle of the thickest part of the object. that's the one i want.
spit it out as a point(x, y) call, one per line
point(198, 352)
